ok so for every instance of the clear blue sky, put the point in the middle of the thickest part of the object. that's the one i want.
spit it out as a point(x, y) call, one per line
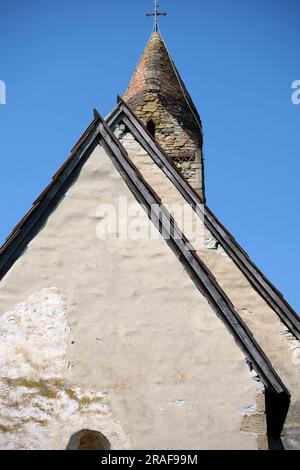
point(238, 58)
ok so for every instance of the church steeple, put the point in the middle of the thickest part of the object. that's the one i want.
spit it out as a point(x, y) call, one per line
point(160, 99)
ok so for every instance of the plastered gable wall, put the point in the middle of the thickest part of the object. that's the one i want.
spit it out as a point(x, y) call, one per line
point(268, 330)
point(139, 354)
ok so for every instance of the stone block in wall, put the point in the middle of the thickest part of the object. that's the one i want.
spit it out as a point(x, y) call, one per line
point(185, 165)
point(196, 165)
point(260, 403)
point(262, 442)
point(254, 423)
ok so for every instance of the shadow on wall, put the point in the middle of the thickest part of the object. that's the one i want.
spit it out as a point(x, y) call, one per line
point(88, 440)
point(151, 127)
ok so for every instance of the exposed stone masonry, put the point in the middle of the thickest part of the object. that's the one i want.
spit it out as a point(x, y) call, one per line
point(254, 419)
point(40, 407)
point(156, 93)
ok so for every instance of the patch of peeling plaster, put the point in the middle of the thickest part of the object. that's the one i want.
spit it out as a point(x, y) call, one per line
point(292, 341)
point(212, 244)
point(39, 410)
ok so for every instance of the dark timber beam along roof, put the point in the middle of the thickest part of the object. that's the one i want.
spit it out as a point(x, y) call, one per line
point(277, 395)
point(122, 113)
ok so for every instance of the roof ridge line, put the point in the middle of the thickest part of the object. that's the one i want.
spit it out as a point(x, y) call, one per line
point(8, 259)
point(183, 89)
point(201, 276)
point(199, 273)
point(255, 276)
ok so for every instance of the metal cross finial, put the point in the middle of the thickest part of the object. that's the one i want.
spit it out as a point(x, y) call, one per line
point(156, 14)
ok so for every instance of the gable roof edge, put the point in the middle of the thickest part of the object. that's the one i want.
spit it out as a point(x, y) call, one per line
point(254, 275)
point(98, 132)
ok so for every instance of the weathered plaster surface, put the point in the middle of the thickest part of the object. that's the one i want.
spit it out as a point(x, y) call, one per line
point(141, 335)
point(268, 330)
point(39, 409)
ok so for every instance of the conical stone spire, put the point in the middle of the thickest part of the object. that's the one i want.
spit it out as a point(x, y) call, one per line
point(159, 98)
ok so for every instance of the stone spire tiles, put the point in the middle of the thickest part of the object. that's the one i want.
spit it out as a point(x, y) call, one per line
point(158, 96)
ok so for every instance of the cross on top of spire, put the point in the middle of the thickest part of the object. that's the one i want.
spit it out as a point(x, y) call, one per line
point(156, 14)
